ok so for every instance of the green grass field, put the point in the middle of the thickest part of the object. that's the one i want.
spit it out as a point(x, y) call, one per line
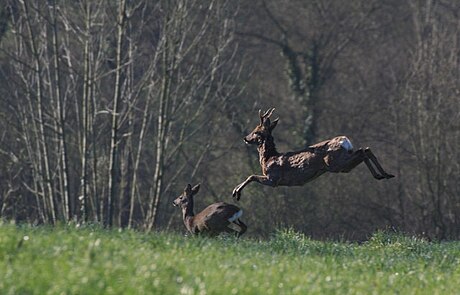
point(68, 260)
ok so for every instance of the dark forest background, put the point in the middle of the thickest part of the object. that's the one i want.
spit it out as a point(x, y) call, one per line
point(109, 108)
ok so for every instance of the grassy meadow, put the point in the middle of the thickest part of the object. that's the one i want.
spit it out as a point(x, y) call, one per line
point(91, 260)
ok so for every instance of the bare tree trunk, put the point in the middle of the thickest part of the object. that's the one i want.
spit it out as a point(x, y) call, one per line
point(87, 79)
point(95, 200)
point(162, 127)
point(125, 147)
point(113, 160)
point(60, 122)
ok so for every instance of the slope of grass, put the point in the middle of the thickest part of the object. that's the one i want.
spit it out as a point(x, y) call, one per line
point(66, 260)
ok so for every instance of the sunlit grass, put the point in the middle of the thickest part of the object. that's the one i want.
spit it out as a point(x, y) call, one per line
point(68, 260)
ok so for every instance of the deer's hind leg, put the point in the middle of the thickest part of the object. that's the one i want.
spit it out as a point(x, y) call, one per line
point(347, 163)
point(231, 228)
point(373, 158)
point(344, 162)
point(357, 158)
point(242, 227)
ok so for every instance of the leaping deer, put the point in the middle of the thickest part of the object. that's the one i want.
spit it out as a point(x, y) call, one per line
point(297, 168)
point(213, 220)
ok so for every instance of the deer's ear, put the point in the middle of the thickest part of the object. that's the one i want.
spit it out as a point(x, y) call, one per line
point(273, 124)
point(196, 188)
point(188, 188)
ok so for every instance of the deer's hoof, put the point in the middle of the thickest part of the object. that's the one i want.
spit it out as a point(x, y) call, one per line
point(388, 176)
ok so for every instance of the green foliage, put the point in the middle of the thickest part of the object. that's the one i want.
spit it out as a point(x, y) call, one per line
point(90, 260)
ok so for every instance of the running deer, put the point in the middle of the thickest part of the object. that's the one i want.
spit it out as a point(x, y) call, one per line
point(213, 220)
point(297, 168)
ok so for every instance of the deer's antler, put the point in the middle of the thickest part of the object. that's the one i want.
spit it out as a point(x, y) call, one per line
point(266, 115)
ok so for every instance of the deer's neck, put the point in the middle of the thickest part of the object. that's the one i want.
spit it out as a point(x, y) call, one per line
point(189, 222)
point(267, 150)
point(188, 215)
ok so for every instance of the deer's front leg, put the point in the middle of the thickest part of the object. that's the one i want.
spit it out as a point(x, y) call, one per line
point(259, 178)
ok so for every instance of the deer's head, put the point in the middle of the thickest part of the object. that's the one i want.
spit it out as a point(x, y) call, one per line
point(186, 198)
point(263, 130)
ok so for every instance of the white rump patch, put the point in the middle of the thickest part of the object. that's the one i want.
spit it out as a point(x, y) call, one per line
point(346, 144)
point(236, 216)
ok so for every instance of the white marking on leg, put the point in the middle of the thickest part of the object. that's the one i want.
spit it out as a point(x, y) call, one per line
point(236, 216)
